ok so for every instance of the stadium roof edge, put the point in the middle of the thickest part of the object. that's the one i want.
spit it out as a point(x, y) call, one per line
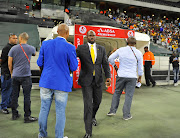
point(147, 5)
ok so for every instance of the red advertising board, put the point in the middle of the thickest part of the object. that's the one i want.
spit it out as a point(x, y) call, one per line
point(81, 31)
point(104, 32)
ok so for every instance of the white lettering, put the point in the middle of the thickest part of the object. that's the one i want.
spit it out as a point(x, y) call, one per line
point(110, 31)
point(78, 41)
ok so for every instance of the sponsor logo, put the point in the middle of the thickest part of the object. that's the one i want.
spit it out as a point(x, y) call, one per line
point(78, 41)
point(109, 31)
point(130, 33)
point(82, 29)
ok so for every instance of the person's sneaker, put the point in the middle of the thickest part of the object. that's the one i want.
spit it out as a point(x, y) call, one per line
point(15, 117)
point(128, 118)
point(30, 119)
point(111, 114)
point(154, 84)
point(94, 122)
point(176, 84)
point(5, 111)
point(65, 137)
point(39, 136)
point(87, 136)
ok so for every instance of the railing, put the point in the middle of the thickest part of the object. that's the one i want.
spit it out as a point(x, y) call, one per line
point(162, 69)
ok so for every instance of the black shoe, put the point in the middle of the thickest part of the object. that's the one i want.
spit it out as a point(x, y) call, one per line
point(87, 136)
point(94, 122)
point(154, 84)
point(5, 111)
point(30, 119)
point(15, 117)
point(8, 106)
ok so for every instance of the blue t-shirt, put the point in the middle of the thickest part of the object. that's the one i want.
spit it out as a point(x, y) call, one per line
point(21, 66)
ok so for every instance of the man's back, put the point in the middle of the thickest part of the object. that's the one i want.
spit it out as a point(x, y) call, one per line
point(21, 66)
point(58, 58)
point(128, 61)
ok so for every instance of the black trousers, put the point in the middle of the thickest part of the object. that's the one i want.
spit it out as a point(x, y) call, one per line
point(26, 83)
point(92, 96)
point(148, 78)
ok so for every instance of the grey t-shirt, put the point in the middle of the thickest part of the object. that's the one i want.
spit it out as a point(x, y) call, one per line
point(21, 66)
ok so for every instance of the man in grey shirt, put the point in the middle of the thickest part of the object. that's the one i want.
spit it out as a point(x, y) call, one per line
point(19, 67)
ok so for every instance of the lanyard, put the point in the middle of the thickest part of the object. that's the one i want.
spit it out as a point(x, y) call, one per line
point(25, 53)
point(134, 54)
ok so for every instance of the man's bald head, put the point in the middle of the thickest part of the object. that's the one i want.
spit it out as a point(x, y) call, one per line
point(63, 30)
point(131, 41)
point(91, 31)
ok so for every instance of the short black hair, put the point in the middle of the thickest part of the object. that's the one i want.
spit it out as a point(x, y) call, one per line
point(146, 47)
point(11, 34)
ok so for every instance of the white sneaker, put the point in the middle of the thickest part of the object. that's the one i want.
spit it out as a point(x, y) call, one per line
point(128, 118)
point(111, 114)
point(175, 84)
point(65, 137)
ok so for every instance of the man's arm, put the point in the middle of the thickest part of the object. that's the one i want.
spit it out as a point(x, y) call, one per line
point(152, 58)
point(112, 57)
point(4, 55)
point(73, 62)
point(140, 67)
point(40, 60)
point(34, 52)
point(78, 51)
point(10, 64)
point(106, 68)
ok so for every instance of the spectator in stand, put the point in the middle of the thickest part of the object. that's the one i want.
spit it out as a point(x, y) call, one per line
point(69, 22)
point(175, 63)
point(178, 50)
point(33, 16)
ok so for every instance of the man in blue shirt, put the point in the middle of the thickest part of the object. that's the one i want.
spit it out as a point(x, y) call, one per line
point(57, 58)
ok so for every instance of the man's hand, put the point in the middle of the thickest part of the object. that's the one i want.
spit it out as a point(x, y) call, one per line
point(108, 82)
point(139, 79)
point(115, 67)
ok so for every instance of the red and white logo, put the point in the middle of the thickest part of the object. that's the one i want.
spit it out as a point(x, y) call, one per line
point(130, 33)
point(82, 29)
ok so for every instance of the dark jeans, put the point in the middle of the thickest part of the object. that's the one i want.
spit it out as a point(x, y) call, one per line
point(6, 91)
point(129, 84)
point(26, 83)
point(92, 96)
point(148, 77)
point(176, 74)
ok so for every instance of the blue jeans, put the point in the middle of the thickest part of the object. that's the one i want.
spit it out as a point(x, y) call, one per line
point(60, 101)
point(176, 74)
point(129, 84)
point(6, 90)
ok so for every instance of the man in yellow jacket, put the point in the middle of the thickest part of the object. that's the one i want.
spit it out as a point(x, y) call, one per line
point(148, 61)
